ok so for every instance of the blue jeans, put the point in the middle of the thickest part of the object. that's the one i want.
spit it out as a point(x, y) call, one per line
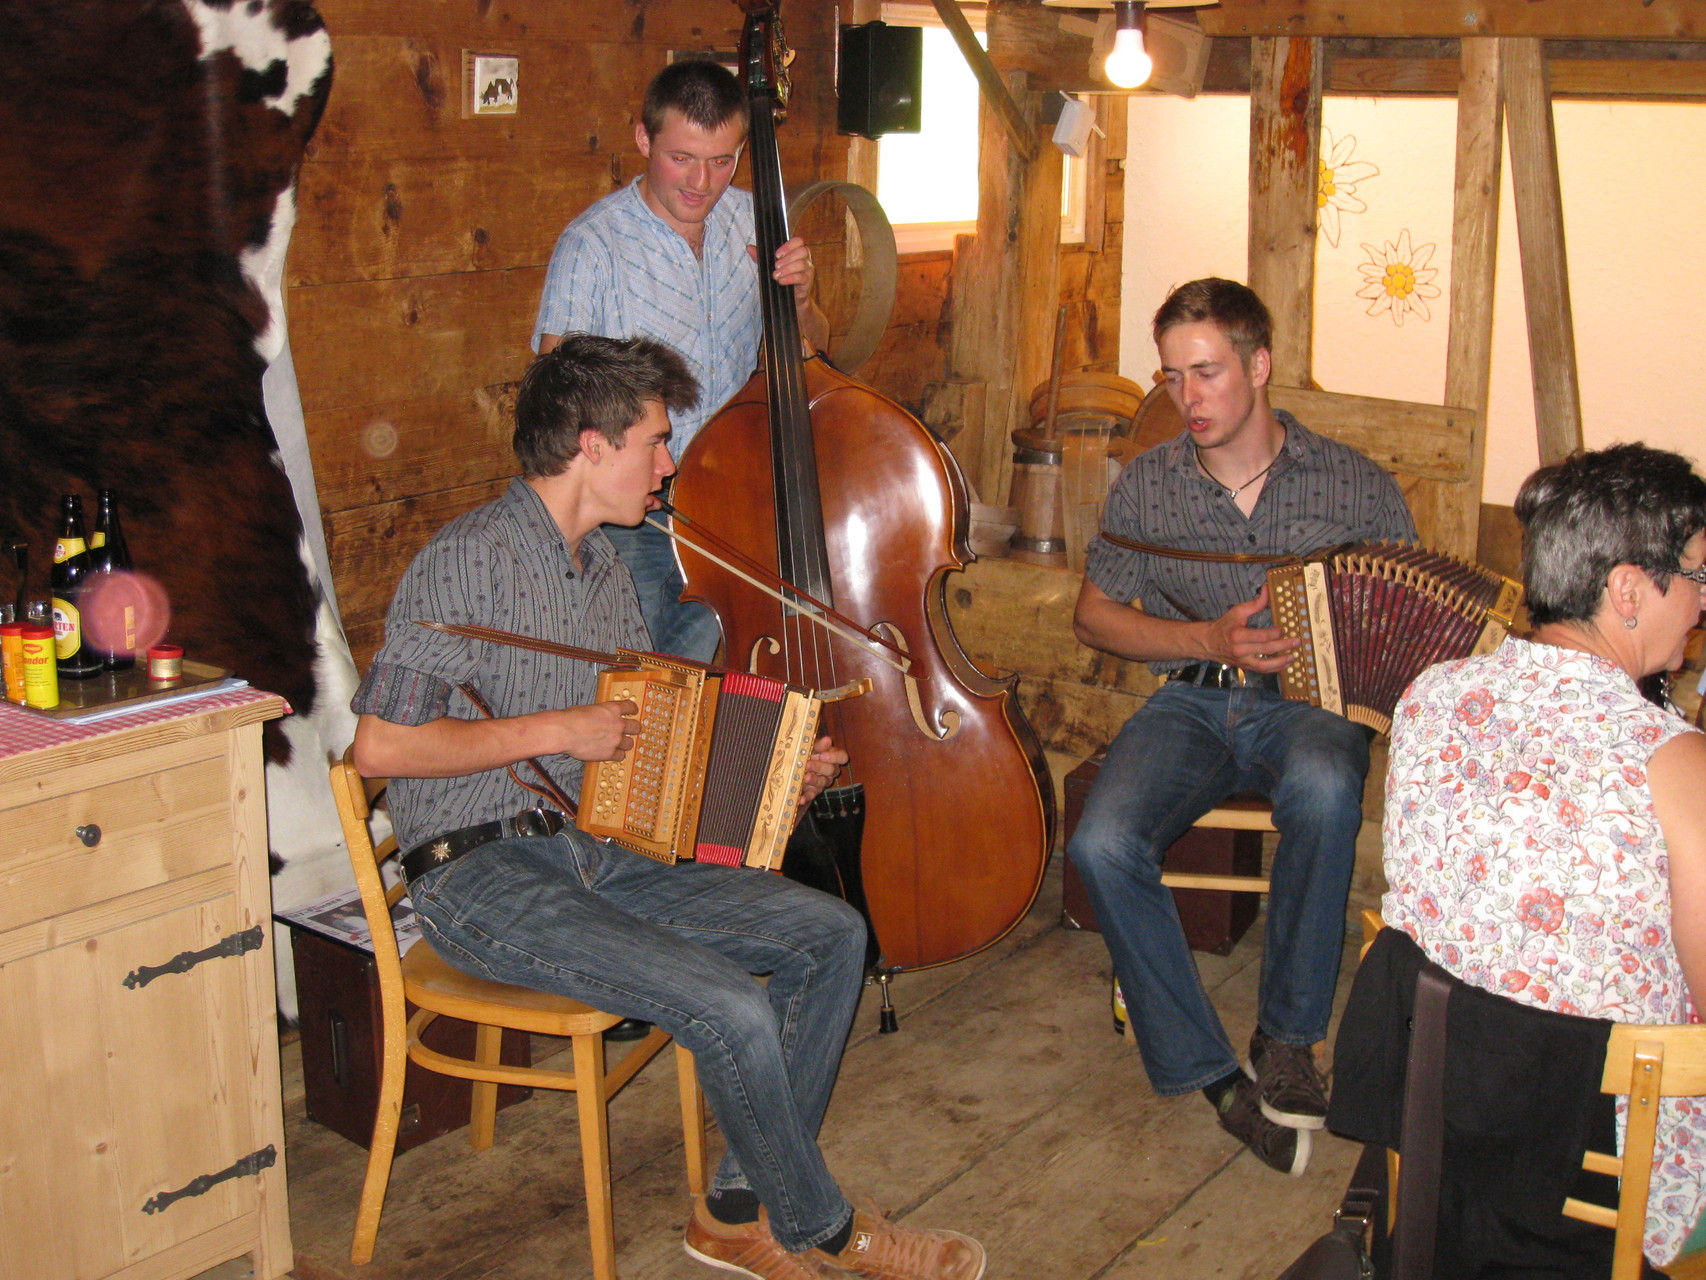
point(1183, 753)
point(678, 946)
point(688, 630)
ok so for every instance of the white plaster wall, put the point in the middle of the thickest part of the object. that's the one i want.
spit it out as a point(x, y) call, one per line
point(1633, 177)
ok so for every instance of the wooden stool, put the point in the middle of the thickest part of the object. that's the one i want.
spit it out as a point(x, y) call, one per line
point(1211, 913)
point(1240, 813)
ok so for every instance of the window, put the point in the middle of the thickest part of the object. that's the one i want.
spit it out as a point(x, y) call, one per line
point(927, 181)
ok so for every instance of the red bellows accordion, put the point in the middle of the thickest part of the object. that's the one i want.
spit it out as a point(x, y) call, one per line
point(716, 771)
point(1374, 616)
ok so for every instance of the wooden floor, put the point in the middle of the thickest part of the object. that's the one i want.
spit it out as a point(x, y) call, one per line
point(1005, 1107)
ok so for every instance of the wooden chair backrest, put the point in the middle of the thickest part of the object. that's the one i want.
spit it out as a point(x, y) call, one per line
point(355, 797)
point(1644, 1063)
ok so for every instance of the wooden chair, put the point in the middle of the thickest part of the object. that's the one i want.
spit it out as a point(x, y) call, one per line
point(1643, 1063)
point(437, 990)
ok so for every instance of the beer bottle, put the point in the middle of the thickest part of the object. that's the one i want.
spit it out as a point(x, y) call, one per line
point(109, 553)
point(76, 660)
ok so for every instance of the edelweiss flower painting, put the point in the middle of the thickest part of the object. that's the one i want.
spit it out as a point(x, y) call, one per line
point(1398, 280)
point(1336, 183)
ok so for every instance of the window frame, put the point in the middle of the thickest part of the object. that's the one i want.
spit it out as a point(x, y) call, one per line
point(931, 237)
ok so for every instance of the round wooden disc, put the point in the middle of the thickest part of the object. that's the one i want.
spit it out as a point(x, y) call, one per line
point(1085, 392)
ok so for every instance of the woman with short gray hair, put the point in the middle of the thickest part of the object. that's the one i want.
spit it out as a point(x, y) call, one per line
point(1544, 836)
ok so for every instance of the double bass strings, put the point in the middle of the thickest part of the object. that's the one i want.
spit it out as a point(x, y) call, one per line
point(808, 653)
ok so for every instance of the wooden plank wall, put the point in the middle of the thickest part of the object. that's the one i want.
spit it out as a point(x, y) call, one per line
point(422, 239)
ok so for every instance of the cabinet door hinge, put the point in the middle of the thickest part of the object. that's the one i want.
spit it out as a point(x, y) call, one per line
point(247, 1167)
point(234, 945)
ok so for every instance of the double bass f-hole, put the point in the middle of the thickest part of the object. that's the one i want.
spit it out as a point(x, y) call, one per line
point(950, 719)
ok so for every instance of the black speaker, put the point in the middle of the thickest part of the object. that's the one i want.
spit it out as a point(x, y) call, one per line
point(880, 79)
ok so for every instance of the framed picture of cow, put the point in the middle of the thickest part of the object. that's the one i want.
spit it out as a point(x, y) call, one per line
point(491, 84)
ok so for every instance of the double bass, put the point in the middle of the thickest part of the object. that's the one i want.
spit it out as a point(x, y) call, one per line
point(843, 496)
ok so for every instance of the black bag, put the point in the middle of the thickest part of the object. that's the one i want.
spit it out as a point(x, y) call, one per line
point(1355, 1249)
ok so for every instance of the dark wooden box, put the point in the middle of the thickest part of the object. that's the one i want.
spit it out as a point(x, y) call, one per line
point(337, 989)
point(1214, 919)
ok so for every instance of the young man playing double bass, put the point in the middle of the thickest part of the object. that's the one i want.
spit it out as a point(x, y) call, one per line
point(670, 257)
point(1240, 479)
point(509, 892)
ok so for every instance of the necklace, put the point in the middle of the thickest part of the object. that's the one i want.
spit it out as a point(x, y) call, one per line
point(1230, 491)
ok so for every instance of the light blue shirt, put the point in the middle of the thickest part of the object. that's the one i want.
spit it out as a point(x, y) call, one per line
point(621, 271)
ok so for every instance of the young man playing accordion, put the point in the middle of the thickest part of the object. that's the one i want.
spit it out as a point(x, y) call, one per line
point(526, 898)
point(1240, 480)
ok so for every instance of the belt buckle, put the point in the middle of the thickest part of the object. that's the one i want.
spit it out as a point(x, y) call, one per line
point(534, 822)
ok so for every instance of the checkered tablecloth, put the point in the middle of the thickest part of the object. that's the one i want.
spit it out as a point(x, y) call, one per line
point(22, 730)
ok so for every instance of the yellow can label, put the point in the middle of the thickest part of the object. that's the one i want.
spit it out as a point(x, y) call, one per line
point(65, 548)
point(67, 628)
point(41, 677)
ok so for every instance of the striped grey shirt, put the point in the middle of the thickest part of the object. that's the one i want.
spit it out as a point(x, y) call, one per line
point(1318, 494)
point(503, 565)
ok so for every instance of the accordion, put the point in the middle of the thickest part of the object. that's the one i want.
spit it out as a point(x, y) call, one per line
point(1374, 616)
point(716, 770)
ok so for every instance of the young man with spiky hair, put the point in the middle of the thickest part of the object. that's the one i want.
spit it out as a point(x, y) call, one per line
point(511, 892)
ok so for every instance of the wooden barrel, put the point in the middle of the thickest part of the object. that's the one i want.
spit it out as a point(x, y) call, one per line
point(1036, 492)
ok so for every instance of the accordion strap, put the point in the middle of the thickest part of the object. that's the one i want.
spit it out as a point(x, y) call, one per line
point(1179, 553)
point(1217, 557)
point(547, 788)
point(518, 641)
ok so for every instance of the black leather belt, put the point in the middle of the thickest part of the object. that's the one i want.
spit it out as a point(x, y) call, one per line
point(429, 855)
point(1217, 675)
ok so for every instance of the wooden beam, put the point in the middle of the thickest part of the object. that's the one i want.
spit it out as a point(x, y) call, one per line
point(1285, 158)
point(1406, 437)
point(861, 153)
point(1647, 79)
point(1554, 19)
point(1540, 232)
point(1019, 130)
point(1474, 253)
point(1006, 282)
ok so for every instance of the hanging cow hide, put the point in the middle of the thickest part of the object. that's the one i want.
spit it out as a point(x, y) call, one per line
point(149, 149)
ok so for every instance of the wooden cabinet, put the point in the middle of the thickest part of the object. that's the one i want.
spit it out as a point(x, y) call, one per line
point(140, 1124)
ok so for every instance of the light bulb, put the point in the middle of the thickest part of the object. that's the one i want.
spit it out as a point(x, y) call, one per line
point(1128, 65)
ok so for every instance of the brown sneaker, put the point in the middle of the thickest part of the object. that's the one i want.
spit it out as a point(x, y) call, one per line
point(882, 1250)
point(747, 1250)
point(1293, 1092)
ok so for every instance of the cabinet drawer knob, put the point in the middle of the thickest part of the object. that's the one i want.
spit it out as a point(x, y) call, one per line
point(89, 834)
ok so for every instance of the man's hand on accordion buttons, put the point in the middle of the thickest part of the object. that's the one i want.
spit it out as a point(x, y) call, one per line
point(600, 730)
point(1234, 642)
point(826, 761)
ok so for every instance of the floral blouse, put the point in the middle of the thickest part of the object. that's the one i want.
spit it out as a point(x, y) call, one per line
point(1522, 854)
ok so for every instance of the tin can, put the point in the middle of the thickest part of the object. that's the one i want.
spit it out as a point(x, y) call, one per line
point(165, 662)
point(41, 667)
